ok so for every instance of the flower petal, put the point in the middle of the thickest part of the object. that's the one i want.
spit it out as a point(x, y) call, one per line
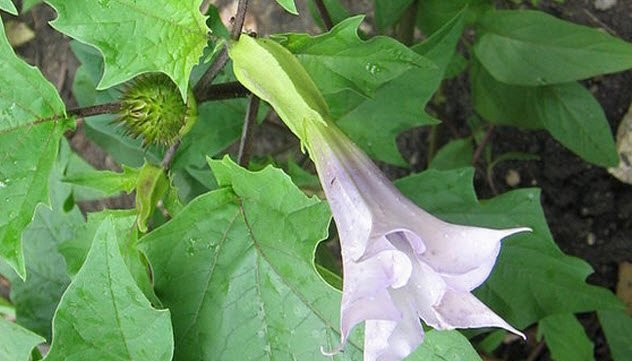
point(365, 290)
point(464, 254)
point(463, 310)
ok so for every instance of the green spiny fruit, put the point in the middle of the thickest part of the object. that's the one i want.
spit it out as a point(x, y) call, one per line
point(152, 108)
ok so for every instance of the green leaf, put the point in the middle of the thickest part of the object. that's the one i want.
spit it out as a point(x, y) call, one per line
point(16, 342)
point(27, 151)
point(432, 15)
point(104, 294)
point(7, 310)
point(533, 48)
point(568, 111)
point(617, 325)
point(388, 12)
point(532, 278)
point(108, 182)
point(565, 338)
point(236, 270)
point(339, 60)
point(397, 105)
point(137, 36)
point(76, 249)
point(574, 117)
point(8, 6)
point(288, 5)
point(152, 186)
point(444, 346)
point(36, 298)
point(456, 154)
point(492, 341)
point(215, 23)
point(219, 125)
point(440, 47)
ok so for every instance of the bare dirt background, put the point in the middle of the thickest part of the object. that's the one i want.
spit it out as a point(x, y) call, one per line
point(588, 210)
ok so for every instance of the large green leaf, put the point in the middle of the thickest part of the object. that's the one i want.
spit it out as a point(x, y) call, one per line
point(339, 60)
point(432, 15)
point(137, 36)
point(104, 316)
point(565, 338)
point(532, 278)
point(36, 298)
point(27, 149)
point(456, 154)
point(617, 325)
point(236, 271)
point(16, 343)
point(568, 111)
point(444, 346)
point(395, 105)
point(388, 12)
point(8, 6)
point(534, 48)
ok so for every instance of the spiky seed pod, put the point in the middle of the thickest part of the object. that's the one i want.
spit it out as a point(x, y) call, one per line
point(152, 108)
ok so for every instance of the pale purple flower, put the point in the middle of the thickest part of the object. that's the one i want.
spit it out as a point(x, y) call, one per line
point(400, 263)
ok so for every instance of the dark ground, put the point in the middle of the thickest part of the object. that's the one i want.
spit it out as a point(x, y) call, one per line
point(589, 211)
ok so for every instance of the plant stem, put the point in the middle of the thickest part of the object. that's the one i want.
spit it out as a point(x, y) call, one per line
point(324, 14)
point(99, 109)
point(222, 58)
point(240, 17)
point(211, 73)
point(170, 155)
point(223, 91)
point(245, 144)
point(432, 142)
point(482, 144)
point(406, 26)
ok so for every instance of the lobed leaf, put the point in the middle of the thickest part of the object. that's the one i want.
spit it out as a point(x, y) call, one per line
point(565, 338)
point(235, 267)
point(16, 343)
point(8, 6)
point(137, 36)
point(104, 316)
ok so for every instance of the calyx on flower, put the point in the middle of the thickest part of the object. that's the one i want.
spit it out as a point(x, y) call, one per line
point(401, 264)
point(152, 109)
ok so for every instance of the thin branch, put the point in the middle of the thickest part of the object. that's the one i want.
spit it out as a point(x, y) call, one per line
point(245, 144)
point(240, 18)
point(482, 144)
point(211, 73)
point(223, 91)
point(406, 26)
point(324, 14)
point(222, 58)
point(85, 112)
point(170, 155)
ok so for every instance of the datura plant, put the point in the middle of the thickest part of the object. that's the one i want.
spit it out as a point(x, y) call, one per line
point(400, 263)
point(212, 194)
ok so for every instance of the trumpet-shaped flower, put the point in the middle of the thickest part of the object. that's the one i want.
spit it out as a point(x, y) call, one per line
point(400, 263)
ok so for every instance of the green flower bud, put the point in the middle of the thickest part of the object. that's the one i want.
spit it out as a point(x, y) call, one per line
point(152, 108)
